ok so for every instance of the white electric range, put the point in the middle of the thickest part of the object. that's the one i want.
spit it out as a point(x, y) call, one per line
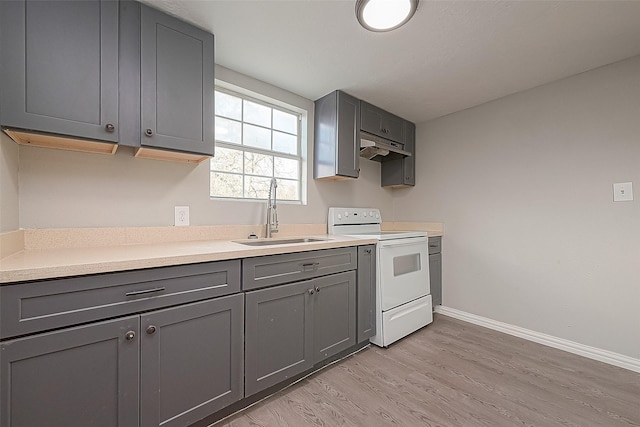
point(403, 300)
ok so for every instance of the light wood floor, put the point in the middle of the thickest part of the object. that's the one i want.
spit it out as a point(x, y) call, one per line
point(453, 373)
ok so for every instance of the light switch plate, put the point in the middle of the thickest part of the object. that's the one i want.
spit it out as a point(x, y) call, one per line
point(623, 192)
point(182, 216)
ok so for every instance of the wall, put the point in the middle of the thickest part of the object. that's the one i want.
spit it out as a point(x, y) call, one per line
point(9, 159)
point(524, 187)
point(66, 189)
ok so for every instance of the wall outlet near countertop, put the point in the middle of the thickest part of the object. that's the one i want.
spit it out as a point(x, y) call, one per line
point(181, 216)
point(623, 192)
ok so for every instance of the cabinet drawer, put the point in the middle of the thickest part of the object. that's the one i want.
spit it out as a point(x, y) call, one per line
point(435, 244)
point(50, 304)
point(277, 269)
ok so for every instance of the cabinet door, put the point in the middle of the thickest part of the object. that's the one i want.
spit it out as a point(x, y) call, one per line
point(191, 361)
point(83, 376)
point(279, 335)
point(435, 278)
point(380, 122)
point(334, 314)
point(177, 84)
point(400, 171)
point(337, 128)
point(366, 292)
point(409, 163)
point(60, 67)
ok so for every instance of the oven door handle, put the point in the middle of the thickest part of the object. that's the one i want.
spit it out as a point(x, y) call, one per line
point(404, 242)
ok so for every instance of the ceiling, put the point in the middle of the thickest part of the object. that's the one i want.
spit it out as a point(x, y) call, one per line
point(452, 55)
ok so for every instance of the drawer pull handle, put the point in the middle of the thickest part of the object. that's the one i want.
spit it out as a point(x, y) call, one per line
point(129, 335)
point(146, 291)
point(312, 266)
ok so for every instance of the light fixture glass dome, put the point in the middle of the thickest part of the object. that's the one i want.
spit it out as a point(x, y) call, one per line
point(384, 15)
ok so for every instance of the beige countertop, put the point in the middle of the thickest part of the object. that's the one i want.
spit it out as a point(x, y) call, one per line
point(62, 262)
point(35, 254)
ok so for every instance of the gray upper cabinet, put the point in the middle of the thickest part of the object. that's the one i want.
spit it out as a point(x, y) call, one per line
point(381, 123)
point(171, 65)
point(400, 171)
point(366, 292)
point(60, 67)
point(191, 361)
point(82, 376)
point(337, 144)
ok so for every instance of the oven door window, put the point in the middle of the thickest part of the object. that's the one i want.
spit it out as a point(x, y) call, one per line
point(403, 271)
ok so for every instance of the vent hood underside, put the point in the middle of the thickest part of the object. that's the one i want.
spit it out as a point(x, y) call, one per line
point(373, 147)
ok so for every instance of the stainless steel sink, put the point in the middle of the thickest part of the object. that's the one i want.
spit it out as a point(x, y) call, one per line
point(269, 242)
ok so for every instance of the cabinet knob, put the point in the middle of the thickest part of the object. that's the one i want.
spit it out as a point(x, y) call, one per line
point(368, 251)
point(311, 291)
point(129, 335)
point(109, 127)
point(318, 289)
point(148, 132)
point(151, 329)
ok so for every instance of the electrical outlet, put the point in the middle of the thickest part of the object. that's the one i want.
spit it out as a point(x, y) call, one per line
point(623, 192)
point(182, 216)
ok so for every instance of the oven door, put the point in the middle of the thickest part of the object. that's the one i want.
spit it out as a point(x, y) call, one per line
point(403, 272)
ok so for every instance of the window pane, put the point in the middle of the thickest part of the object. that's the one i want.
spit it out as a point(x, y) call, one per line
point(288, 189)
point(257, 187)
point(228, 130)
point(258, 164)
point(257, 137)
point(285, 168)
point(285, 143)
point(226, 185)
point(257, 114)
point(285, 122)
point(228, 106)
point(227, 160)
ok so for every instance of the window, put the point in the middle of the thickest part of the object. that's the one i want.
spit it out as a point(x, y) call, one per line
point(255, 141)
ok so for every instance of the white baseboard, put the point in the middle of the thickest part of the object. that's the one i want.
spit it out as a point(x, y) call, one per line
point(594, 353)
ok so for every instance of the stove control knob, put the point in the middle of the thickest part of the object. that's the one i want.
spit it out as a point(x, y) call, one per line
point(346, 214)
point(371, 214)
point(339, 217)
point(377, 215)
point(364, 214)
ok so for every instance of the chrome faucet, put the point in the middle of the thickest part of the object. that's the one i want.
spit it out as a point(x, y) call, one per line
point(272, 213)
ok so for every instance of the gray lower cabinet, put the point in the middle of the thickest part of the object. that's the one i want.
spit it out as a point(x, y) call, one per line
point(171, 65)
point(435, 269)
point(400, 171)
point(334, 314)
point(81, 376)
point(291, 327)
point(191, 361)
point(366, 292)
point(337, 145)
point(59, 69)
point(186, 361)
point(278, 335)
point(172, 355)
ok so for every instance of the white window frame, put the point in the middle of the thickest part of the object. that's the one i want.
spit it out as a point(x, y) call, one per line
point(301, 145)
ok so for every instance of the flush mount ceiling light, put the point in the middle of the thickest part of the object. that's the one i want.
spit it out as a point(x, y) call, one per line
point(385, 15)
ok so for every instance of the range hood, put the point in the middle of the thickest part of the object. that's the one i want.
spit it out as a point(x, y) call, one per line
point(373, 147)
